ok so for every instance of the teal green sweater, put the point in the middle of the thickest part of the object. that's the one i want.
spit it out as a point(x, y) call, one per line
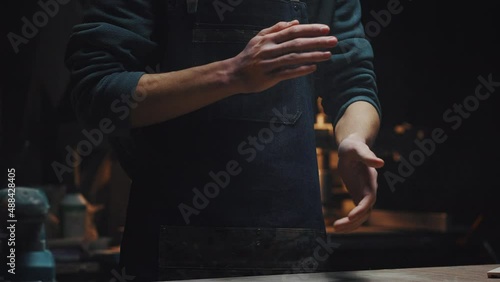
point(116, 44)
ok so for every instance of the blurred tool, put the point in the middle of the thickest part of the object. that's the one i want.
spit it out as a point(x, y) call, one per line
point(74, 206)
point(31, 259)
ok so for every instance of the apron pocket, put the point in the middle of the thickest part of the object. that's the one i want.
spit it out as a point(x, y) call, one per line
point(189, 251)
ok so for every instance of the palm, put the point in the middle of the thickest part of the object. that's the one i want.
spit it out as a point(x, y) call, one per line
point(357, 167)
point(357, 176)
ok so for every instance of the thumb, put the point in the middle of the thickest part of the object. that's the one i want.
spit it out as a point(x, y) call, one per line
point(369, 158)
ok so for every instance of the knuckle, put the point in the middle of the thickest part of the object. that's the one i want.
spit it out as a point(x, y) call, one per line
point(299, 43)
point(268, 37)
point(257, 42)
point(295, 29)
point(293, 56)
point(281, 49)
point(292, 31)
point(264, 49)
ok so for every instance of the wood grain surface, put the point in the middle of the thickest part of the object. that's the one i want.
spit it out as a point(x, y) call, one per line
point(468, 273)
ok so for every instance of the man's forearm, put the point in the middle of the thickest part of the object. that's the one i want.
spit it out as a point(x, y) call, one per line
point(360, 120)
point(169, 95)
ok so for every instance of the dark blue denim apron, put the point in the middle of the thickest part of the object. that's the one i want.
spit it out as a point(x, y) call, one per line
point(231, 189)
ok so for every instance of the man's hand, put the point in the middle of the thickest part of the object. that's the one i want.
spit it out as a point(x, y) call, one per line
point(357, 167)
point(284, 51)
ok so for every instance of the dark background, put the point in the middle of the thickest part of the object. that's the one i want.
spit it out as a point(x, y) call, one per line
point(427, 58)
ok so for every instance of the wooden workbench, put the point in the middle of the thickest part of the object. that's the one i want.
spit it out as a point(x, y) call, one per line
point(469, 273)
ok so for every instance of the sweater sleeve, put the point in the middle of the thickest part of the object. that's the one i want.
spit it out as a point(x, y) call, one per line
point(106, 55)
point(349, 75)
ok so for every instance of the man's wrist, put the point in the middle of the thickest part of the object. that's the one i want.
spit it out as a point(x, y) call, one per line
point(230, 79)
point(354, 137)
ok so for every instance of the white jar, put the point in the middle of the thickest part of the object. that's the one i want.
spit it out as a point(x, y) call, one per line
point(73, 215)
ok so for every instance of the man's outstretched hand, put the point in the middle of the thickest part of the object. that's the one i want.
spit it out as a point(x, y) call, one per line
point(284, 51)
point(357, 167)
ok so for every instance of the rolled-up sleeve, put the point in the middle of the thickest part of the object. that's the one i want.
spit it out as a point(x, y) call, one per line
point(349, 75)
point(106, 55)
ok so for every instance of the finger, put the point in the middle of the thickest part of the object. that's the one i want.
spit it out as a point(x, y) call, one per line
point(349, 226)
point(295, 59)
point(369, 158)
point(363, 207)
point(294, 72)
point(340, 224)
point(373, 161)
point(345, 225)
point(278, 27)
point(302, 45)
point(298, 31)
